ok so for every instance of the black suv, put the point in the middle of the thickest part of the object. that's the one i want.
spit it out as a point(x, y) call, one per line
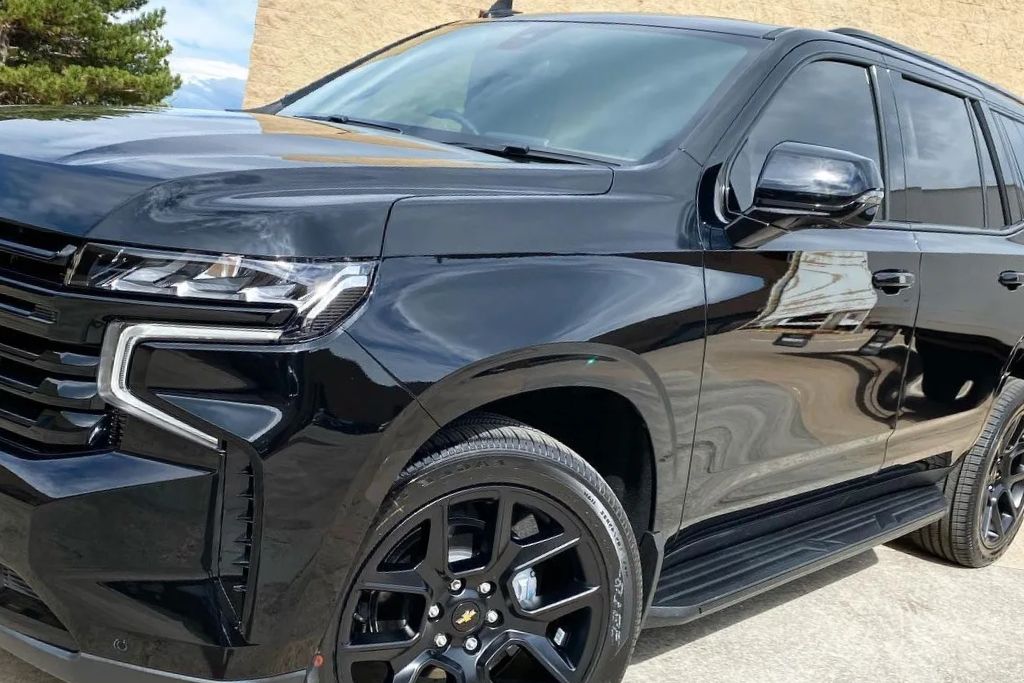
point(470, 359)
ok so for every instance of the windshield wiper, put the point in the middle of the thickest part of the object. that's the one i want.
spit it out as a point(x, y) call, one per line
point(352, 121)
point(526, 153)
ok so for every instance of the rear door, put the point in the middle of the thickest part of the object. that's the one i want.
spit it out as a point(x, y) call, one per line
point(963, 202)
point(808, 335)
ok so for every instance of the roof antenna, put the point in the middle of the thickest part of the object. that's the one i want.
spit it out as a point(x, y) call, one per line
point(500, 10)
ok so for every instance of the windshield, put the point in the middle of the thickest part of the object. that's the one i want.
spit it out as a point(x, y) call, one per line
point(598, 90)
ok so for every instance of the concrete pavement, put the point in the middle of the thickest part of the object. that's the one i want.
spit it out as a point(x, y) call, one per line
point(886, 615)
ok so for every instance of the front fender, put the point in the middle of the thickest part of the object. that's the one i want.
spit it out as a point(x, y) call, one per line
point(460, 333)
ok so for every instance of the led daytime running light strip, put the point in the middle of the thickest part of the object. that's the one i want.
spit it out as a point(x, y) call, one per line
point(119, 346)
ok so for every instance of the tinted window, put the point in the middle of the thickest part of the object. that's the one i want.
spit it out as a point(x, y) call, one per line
point(1015, 130)
point(593, 89)
point(994, 217)
point(944, 183)
point(824, 103)
point(1015, 136)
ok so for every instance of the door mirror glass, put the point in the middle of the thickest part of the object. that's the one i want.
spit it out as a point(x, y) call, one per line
point(803, 186)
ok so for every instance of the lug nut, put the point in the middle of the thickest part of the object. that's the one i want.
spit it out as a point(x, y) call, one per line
point(492, 617)
point(441, 640)
point(486, 589)
point(456, 585)
point(434, 612)
point(472, 644)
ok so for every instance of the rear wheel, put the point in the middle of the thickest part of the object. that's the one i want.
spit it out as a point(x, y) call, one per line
point(502, 557)
point(985, 490)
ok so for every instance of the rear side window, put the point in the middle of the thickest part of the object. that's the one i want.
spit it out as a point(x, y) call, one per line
point(1015, 136)
point(824, 103)
point(994, 216)
point(944, 176)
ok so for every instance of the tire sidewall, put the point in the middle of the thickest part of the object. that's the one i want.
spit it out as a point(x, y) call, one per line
point(1013, 405)
point(489, 465)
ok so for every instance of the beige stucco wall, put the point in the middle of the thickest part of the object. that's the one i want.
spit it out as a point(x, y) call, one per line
point(298, 41)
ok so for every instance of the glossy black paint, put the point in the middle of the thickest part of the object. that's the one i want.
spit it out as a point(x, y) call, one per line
point(819, 357)
point(248, 183)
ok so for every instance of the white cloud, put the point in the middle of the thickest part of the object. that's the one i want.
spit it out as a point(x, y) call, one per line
point(196, 69)
point(211, 40)
point(210, 29)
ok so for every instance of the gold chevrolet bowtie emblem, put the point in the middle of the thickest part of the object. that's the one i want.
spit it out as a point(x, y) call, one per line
point(467, 617)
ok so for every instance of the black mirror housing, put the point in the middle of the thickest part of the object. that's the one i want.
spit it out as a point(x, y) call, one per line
point(804, 186)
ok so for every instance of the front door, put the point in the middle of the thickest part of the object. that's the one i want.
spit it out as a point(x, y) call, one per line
point(808, 335)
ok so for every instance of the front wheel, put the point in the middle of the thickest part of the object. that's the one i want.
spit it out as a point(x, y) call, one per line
point(501, 556)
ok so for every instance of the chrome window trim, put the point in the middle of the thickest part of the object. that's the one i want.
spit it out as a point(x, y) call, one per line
point(119, 344)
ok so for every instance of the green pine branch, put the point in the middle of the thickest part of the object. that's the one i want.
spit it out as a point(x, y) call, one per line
point(109, 52)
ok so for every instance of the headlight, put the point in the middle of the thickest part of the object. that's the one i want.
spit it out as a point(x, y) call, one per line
point(322, 292)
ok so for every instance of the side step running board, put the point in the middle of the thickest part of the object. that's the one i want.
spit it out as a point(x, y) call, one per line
point(710, 582)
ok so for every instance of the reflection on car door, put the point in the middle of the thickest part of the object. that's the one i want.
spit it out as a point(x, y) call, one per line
point(972, 311)
point(809, 334)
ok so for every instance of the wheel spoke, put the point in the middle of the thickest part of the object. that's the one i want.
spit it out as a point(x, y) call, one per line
point(543, 650)
point(381, 649)
point(409, 672)
point(502, 541)
point(1005, 467)
point(436, 559)
point(993, 521)
point(1016, 452)
point(567, 603)
point(415, 670)
point(1014, 435)
point(403, 581)
point(533, 554)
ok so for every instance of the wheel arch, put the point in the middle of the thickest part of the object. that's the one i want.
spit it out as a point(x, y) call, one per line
point(589, 376)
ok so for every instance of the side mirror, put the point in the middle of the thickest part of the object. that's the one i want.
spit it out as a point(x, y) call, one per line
point(803, 186)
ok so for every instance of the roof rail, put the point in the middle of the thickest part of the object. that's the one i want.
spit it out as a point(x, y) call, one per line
point(924, 57)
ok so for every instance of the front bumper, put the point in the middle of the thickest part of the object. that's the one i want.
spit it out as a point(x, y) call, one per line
point(75, 667)
point(128, 543)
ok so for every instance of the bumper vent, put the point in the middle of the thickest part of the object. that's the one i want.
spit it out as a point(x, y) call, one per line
point(10, 581)
point(240, 529)
point(49, 397)
point(17, 597)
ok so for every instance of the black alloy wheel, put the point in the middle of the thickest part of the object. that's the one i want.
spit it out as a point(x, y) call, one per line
point(985, 489)
point(510, 582)
point(1003, 507)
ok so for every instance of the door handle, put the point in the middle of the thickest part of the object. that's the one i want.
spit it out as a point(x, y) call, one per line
point(893, 281)
point(1011, 279)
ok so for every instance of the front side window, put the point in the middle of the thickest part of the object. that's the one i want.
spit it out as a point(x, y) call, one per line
point(824, 103)
point(611, 91)
point(944, 182)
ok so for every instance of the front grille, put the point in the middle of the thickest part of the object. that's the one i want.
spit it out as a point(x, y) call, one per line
point(36, 254)
point(49, 357)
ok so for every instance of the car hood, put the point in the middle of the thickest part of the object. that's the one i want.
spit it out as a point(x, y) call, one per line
point(238, 182)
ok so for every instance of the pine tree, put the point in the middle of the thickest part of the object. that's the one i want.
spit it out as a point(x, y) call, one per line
point(103, 52)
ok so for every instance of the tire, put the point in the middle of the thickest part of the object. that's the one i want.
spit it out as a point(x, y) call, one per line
point(570, 547)
point(967, 535)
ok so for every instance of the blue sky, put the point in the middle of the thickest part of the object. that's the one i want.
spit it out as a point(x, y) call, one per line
point(211, 41)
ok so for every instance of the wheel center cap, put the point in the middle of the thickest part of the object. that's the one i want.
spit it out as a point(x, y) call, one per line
point(467, 617)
